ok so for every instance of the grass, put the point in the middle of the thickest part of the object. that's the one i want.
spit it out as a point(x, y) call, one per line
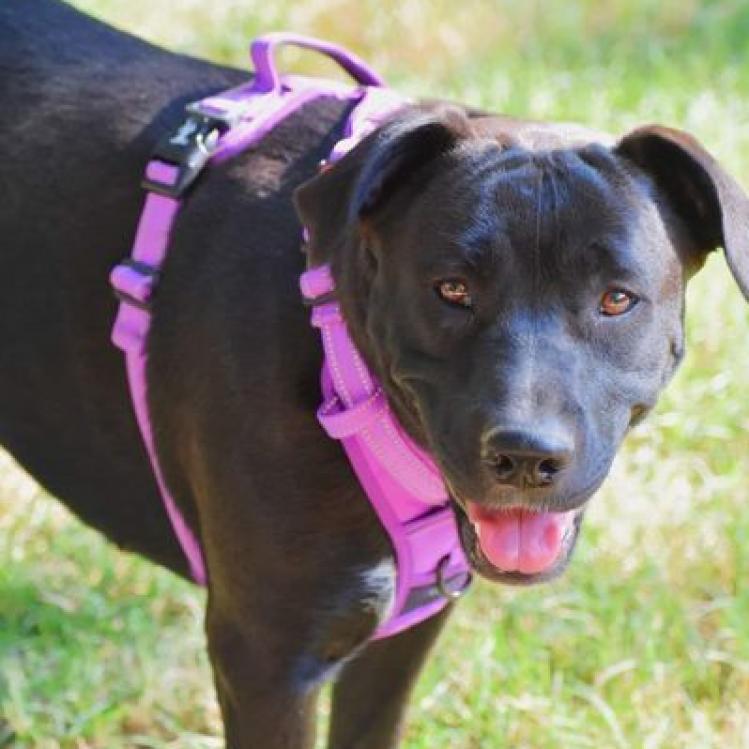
point(644, 642)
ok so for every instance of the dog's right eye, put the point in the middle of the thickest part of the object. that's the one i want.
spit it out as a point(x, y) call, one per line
point(455, 292)
point(616, 301)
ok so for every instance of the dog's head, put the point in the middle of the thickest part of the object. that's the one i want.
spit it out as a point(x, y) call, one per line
point(520, 297)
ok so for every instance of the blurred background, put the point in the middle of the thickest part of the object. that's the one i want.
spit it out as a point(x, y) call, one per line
point(645, 640)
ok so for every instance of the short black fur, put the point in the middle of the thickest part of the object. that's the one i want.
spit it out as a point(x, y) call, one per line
point(300, 571)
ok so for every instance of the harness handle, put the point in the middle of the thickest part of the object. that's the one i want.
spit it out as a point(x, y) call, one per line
point(267, 79)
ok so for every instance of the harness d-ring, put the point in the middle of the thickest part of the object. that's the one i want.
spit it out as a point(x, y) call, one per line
point(451, 594)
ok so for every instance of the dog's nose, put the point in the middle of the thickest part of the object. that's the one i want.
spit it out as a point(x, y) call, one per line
point(525, 458)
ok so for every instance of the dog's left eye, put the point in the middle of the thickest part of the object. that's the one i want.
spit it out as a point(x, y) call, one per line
point(616, 302)
point(453, 291)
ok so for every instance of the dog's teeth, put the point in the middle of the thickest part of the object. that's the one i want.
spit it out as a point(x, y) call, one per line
point(567, 534)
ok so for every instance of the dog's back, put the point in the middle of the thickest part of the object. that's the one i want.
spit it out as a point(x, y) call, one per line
point(87, 103)
point(80, 102)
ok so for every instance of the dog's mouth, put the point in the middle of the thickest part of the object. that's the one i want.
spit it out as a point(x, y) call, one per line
point(517, 545)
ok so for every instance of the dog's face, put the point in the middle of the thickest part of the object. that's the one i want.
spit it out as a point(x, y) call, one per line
point(522, 307)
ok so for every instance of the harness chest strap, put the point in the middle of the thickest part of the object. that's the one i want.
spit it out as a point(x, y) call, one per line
point(401, 481)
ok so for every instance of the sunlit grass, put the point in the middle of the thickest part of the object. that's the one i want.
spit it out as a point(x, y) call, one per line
point(644, 642)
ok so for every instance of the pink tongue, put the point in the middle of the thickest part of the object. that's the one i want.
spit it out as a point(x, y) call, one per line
point(522, 541)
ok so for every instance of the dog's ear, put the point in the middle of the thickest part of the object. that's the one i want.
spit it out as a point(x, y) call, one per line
point(713, 206)
point(341, 199)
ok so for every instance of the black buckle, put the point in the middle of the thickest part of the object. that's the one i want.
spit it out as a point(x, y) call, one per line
point(189, 147)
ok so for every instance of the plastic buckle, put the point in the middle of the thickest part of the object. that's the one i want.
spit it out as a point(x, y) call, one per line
point(133, 283)
point(188, 148)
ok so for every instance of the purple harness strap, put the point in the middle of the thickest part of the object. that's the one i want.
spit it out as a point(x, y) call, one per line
point(401, 481)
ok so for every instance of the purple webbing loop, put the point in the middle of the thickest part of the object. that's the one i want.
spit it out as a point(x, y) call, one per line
point(340, 422)
point(267, 78)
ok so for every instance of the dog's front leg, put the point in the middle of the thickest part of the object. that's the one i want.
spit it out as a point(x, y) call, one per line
point(265, 687)
point(369, 698)
point(276, 636)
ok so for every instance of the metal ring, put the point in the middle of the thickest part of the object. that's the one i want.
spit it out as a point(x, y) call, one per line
point(451, 595)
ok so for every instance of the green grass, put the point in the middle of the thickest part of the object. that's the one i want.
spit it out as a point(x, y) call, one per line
point(645, 641)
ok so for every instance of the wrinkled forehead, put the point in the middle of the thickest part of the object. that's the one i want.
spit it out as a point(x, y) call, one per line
point(520, 206)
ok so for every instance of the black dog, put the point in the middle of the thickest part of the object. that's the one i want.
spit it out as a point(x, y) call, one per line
point(518, 289)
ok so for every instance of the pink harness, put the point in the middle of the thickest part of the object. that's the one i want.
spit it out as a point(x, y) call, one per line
point(402, 482)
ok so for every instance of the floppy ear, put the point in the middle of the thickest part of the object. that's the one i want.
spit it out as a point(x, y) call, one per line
point(340, 199)
point(713, 206)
